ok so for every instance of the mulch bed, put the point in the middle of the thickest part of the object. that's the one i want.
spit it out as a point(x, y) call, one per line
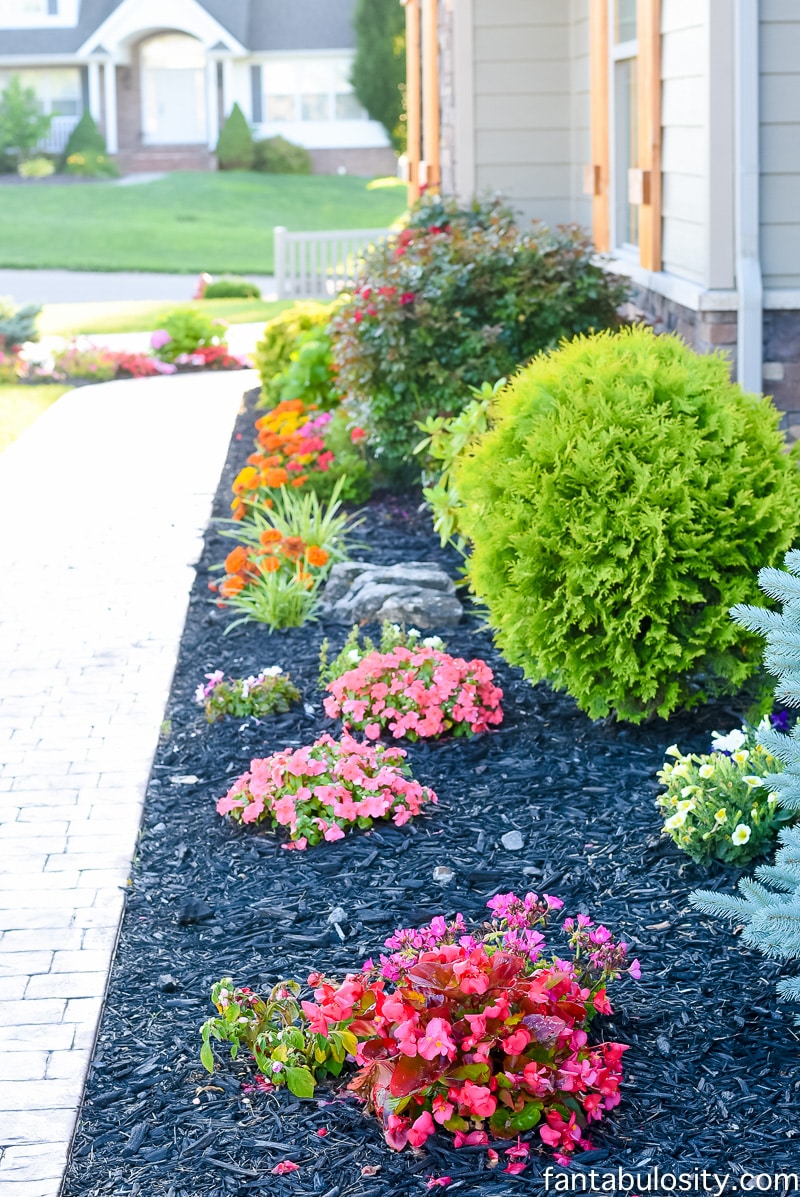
point(711, 1077)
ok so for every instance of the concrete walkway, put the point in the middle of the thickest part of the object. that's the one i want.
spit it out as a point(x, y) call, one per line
point(241, 340)
point(102, 506)
point(91, 286)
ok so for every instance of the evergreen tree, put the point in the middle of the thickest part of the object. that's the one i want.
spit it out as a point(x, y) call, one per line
point(236, 149)
point(22, 123)
point(85, 138)
point(769, 907)
point(379, 67)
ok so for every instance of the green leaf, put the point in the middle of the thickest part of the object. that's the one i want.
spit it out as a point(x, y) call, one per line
point(526, 1118)
point(207, 1056)
point(300, 1082)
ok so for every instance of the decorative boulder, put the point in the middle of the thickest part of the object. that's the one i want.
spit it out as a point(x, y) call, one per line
point(418, 593)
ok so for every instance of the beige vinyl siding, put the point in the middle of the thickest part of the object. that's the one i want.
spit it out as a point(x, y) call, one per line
point(683, 108)
point(780, 143)
point(523, 105)
point(581, 153)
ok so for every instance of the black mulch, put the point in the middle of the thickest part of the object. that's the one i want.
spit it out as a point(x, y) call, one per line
point(711, 1077)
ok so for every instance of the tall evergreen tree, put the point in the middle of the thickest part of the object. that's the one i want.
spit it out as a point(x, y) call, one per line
point(379, 67)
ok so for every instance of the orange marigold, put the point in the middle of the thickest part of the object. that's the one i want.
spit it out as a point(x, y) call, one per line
point(293, 547)
point(246, 479)
point(305, 579)
point(231, 586)
point(236, 559)
point(275, 477)
point(270, 536)
point(270, 564)
point(316, 555)
point(238, 510)
point(300, 479)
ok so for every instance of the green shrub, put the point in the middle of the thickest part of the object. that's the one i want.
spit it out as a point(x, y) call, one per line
point(616, 510)
point(90, 165)
point(235, 147)
point(36, 168)
point(232, 288)
point(22, 124)
point(379, 65)
point(85, 138)
point(458, 297)
point(186, 330)
point(274, 350)
point(17, 325)
point(309, 375)
point(277, 156)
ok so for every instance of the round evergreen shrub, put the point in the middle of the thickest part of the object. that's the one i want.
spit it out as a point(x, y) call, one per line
point(85, 138)
point(232, 288)
point(277, 156)
point(235, 147)
point(622, 502)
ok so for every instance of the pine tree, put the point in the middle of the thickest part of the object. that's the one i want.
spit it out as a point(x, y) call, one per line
point(379, 67)
point(769, 907)
point(236, 148)
point(85, 138)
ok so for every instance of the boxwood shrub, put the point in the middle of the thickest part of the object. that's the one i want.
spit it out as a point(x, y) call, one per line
point(461, 295)
point(618, 507)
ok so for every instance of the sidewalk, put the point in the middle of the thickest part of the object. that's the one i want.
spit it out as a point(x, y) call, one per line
point(103, 502)
point(90, 286)
point(241, 340)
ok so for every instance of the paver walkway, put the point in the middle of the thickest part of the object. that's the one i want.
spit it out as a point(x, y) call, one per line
point(102, 506)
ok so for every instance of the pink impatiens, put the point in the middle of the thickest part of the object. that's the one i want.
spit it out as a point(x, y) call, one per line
point(416, 693)
point(317, 792)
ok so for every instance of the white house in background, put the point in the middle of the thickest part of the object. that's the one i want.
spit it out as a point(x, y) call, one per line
point(159, 76)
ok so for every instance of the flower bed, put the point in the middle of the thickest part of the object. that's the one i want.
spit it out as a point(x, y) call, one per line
point(706, 1073)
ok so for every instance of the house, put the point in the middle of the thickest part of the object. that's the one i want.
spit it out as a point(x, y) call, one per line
point(160, 76)
point(669, 128)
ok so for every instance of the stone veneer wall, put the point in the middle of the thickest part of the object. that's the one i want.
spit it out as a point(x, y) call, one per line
point(710, 331)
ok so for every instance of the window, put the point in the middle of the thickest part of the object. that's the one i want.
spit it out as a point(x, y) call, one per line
point(624, 177)
point(314, 106)
point(625, 108)
point(58, 89)
point(347, 107)
point(280, 108)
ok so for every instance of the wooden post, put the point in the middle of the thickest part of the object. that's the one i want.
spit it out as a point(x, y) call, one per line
point(430, 91)
point(600, 165)
point(413, 98)
point(648, 20)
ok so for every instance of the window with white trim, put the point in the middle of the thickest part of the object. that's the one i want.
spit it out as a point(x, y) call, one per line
point(624, 122)
point(313, 88)
point(58, 89)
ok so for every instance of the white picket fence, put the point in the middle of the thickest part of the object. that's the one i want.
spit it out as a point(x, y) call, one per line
point(320, 265)
point(55, 141)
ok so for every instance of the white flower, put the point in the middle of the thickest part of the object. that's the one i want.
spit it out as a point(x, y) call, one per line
point(686, 806)
point(433, 642)
point(772, 797)
point(706, 770)
point(354, 655)
point(681, 770)
point(687, 791)
point(675, 821)
point(741, 833)
point(721, 815)
point(728, 743)
point(414, 632)
point(271, 671)
point(742, 756)
point(751, 780)
point(200, 694)
point(396, 628)
point(673, 750)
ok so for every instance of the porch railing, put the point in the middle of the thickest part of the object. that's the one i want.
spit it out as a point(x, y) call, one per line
point(320, 265)
point(55, 142)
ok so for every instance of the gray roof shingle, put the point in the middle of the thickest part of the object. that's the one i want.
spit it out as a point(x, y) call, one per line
point(259, 25)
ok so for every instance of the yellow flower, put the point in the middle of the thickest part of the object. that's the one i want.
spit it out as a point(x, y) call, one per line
point(742, 756)
point(741, 834)
point(681, 770)
point(706, 770)
point(673, 750)
point(751, 780)
point(675, 821)
point(721, 815)
point(686, 806)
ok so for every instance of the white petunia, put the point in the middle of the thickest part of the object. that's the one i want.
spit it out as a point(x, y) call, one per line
point(741, 834)
point(706, 770)
point(728, 743)
point(675, 821)
point(752, 781)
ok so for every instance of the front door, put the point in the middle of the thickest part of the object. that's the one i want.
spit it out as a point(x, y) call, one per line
point(173, 91)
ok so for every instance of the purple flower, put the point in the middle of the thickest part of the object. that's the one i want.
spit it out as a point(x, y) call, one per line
point(780, 721)
point(159, 338)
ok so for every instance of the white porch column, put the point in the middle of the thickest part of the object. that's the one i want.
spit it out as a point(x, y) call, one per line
point(227, 87)
point(94, 90)
point(212, 103)
point(110, 90)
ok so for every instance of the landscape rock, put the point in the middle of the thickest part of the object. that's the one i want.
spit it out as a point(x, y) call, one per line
point(415, 593)
point(512, 841)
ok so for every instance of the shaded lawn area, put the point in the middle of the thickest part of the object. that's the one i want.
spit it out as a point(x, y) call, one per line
point(145, 315)
point(21, 405)
point(185, 222)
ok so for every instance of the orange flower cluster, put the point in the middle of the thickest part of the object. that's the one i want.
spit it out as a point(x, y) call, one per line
point(245, 566)
point(288, 447)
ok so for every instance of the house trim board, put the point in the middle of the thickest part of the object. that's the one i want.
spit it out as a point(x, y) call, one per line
point(464, 87)
point(692, 296)
point(185, 16)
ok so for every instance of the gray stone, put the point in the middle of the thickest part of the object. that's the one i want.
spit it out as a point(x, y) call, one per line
point(512, 841)
point(337, 915)
point(442, 875)
point(415, 593)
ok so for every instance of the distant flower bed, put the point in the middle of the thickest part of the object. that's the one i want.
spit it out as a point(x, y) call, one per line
point(418, 693)
point(264, 693)
point(319, 792)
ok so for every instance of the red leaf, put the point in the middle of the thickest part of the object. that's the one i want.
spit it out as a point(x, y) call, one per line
point(412, 1073)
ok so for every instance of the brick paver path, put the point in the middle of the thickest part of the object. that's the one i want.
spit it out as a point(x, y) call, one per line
point(102, 507)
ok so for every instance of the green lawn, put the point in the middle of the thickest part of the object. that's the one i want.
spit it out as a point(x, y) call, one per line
point(144, 315)
point(21, 405)
point(186, 222)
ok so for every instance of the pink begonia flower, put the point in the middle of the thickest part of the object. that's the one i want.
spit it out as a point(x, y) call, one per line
point(436, 1040)
point(420, 1129)
point(159, 338)
point(519, 1151)
point(442, 1108)
point(284, 1167)
point(478, 1099)
point(515, 1168)
point(439, 1182)
point(299, 845)
point(333, 833)
point(396, 1132)
point(517, 1042)
point(372, 731)
point(473, 1139)
point(635, 970)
